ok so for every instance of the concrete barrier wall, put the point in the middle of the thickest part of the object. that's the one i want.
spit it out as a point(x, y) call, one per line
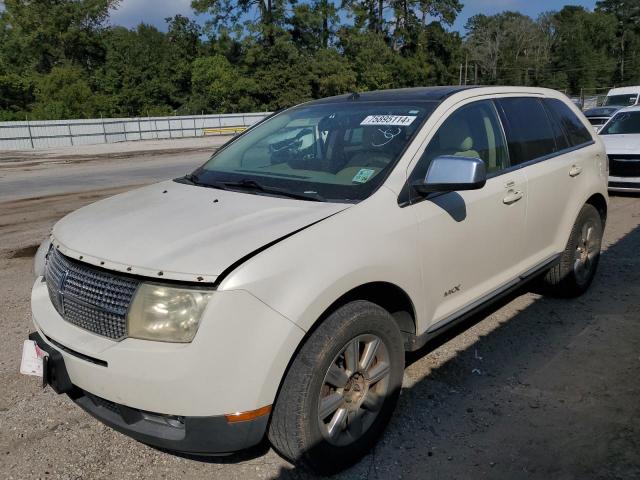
point(40, 134)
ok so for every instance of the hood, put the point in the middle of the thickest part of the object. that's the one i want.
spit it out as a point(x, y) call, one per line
point(601, 111)
point(181, 232)
point(622, 144)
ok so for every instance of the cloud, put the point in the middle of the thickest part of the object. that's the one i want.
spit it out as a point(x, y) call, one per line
point(132, 12)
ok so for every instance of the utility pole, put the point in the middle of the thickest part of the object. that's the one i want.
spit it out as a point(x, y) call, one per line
point(622, 62)
point(466, 67)
point(460, 76)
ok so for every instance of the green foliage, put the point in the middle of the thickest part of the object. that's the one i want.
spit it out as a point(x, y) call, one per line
point(16, 92)
point(217, 86)
point(370, 56)
point(52, 31)
point(626, 46)
point(63, 93)
point(570, 49)
point(62, 59)
point(583, 46)
point(140, 73)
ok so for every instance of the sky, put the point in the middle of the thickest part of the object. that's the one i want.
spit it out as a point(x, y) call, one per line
point(132, 12)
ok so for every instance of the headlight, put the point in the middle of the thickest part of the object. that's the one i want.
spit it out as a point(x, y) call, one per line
point(166, 314)
point(41, 257)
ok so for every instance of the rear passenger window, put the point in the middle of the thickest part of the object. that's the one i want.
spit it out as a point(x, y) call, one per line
point(562, 141)
point(577, 133)
point(529, 131)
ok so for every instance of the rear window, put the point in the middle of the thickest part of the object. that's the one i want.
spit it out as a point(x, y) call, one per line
point(577, 133)
point(529, 132)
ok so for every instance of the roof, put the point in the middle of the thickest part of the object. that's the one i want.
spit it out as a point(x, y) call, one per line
point(624, 91)
point(424, 94)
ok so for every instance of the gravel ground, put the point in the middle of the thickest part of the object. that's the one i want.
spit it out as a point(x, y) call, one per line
point(538, 388)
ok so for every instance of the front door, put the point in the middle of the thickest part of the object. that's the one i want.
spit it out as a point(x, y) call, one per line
point(471, 242)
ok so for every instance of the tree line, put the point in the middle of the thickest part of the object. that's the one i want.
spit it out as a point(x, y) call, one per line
point(63, 59)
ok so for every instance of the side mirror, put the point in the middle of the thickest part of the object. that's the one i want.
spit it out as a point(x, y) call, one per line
point(449, 173)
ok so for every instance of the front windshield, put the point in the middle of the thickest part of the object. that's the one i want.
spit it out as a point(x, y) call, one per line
point(622, 100)
point(623, 123)
point(334, 152)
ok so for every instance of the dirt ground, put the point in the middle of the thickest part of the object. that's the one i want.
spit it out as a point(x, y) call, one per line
point(538, 388)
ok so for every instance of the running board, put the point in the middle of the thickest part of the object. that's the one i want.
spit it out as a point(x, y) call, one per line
point(416, 342)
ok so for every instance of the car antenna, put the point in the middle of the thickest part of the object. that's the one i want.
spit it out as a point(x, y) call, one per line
point(354, 96)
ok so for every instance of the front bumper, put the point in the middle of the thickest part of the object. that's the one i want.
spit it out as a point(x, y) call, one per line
point(624, 184)
point(234, 364)
point(194, 435)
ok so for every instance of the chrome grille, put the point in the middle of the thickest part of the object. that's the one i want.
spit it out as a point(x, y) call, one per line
point(89, 298)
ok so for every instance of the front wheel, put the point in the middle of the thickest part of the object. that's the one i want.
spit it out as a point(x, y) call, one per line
point(341, 389)
point(573, 275)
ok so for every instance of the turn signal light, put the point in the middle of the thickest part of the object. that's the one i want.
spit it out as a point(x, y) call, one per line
point(246, 416)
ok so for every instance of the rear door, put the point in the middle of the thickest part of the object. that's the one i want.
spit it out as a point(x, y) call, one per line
point(539, 146)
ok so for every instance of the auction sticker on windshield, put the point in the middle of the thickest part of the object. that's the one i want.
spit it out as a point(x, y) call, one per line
point(390, 120)
point(363, 175)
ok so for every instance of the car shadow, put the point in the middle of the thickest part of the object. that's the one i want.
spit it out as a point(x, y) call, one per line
point(451, 202)
point(545, 392)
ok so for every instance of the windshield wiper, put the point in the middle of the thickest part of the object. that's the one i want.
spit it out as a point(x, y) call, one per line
point(193, 179)
point(252, 185)
point(247, 184)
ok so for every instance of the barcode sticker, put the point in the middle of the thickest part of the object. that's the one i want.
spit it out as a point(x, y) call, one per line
point(389, 120)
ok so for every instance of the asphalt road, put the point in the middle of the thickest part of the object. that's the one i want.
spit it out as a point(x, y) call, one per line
point(93, 167)
point(538, 388)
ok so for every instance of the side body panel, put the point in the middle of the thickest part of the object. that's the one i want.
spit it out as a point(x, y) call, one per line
point(558, 188)
point(470, 243)
point(300, 277)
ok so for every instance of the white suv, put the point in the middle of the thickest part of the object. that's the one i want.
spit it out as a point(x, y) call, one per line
point(274, 291)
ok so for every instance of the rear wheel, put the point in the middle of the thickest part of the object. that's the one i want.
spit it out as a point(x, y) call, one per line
point(573, 275)
point(341, 389)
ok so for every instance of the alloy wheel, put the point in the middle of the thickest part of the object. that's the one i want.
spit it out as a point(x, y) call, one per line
point(354, 389)
point(587, 250)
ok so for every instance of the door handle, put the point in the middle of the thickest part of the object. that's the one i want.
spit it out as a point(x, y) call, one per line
point(575, 171)
point(512, 197)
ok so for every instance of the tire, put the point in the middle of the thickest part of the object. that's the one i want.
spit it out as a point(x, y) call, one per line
point(339, 440)
point(573, 275)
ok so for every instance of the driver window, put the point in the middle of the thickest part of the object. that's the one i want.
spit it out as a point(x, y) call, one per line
point(471, 131)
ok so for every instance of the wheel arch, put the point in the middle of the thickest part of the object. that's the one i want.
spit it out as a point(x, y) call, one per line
point(387, 295)
point(598, 201)
point(384, 294)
